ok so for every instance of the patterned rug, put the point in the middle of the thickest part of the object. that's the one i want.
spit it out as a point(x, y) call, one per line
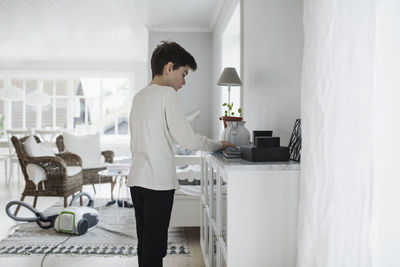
point(114, 235)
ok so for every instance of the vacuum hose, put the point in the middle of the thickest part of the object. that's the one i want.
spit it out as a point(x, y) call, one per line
point(43, 221)
point(39, 219)
point(91, 202)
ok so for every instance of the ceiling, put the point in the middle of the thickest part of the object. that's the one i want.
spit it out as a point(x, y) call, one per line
point(95, 29)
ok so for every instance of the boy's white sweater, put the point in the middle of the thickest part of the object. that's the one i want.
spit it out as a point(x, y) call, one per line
point(156, 119)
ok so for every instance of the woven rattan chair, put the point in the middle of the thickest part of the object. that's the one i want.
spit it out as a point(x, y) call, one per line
point(90, 176)
point(57, 183)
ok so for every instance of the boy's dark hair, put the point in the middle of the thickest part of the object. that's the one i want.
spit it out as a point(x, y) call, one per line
point(170, 52)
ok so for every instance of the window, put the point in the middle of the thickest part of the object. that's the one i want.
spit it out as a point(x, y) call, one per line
point(231, 57)
point(85, 104)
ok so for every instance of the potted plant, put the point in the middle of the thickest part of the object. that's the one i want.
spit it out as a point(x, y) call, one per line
point(230, 114)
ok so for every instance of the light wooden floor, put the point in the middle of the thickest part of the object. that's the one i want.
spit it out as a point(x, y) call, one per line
point(13, 192)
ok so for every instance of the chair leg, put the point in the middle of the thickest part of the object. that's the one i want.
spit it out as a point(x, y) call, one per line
point(19, 206)
point(113, 182)
point(10, 174)
point(94, 189)
point(65, 202)
point(35, 201)
point(80, 199)
point(5, 171)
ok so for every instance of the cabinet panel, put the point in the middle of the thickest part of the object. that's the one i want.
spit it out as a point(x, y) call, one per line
point(207, 184)
point(204, 231)
point(212, 192)
point(224, 210)
point(255, 207)
point(214, 195)
point(223, 262)
point(214, 256)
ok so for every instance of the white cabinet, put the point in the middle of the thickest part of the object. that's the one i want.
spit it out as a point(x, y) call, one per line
point(249, 213)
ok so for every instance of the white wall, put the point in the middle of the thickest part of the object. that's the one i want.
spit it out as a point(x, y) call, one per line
point(386, 110)
point(272, 62)
point(217, 43)
point(197, 93)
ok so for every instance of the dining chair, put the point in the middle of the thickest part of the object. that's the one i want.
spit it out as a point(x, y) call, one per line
point(4, 158)
point(48, 135)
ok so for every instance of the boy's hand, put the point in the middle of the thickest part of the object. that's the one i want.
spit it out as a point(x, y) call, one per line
point(226, 144)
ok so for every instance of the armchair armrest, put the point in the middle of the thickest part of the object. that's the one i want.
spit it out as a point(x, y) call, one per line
point(53, 166)
point(70, 159)
point(108, 155)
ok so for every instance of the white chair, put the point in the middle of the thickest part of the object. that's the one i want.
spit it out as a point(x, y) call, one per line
point(48, 135)
point(12, 157)
point(4, 157)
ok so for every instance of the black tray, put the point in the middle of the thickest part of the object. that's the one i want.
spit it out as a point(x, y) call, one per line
point(264, 154)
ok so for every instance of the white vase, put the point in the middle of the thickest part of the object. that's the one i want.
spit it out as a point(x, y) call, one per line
point(223, 136)
point(236, 133)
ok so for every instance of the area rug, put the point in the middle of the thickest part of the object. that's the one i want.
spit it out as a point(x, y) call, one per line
point(115, 235)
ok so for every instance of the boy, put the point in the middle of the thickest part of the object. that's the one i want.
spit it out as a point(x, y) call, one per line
point(156, 119)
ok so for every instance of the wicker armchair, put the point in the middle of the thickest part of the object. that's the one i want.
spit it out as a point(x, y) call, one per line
point(90, 176)
point(57, 183)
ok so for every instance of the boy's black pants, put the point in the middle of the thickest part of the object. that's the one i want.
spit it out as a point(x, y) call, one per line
point(153, 212)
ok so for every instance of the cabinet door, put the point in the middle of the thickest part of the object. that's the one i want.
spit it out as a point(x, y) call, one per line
point(205, 232)
point(210, 188)
point(223, 196)
point(222, 255)
point(213, 193)
point(223, 262)
point(214, 250)
point(205, 183)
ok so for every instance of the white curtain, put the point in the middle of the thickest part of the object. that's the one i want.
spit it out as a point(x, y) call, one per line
point(349, 193)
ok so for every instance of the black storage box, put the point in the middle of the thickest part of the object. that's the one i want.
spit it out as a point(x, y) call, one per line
point(262, 154)
point(261, 133)
point(267, 141)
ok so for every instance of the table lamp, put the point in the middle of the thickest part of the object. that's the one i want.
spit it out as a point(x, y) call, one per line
point(230, 78)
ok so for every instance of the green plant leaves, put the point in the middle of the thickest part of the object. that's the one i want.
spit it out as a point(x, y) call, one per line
point(229, 112)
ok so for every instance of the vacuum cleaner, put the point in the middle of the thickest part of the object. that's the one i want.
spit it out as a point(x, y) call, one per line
point(73, 219)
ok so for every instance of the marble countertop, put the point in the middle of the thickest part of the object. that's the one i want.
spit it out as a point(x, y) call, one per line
point(238, 164)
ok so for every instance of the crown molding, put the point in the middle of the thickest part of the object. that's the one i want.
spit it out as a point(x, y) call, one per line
point(176, 28)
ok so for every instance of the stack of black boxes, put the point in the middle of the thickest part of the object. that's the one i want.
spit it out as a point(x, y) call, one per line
point(265, 148)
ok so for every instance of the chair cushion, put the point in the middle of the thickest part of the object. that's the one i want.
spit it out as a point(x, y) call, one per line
point(73, 170)
point(86, 146)
point(36, 173)
point(34, 149)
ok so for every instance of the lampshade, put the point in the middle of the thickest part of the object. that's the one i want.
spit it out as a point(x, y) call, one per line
point(38, 98)
point(229, 77)
point(11, 92)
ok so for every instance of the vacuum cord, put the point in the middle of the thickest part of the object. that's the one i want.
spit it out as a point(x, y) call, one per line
point(51, 250)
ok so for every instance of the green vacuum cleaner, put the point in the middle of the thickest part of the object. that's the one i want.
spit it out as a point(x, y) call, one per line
point(73, 219)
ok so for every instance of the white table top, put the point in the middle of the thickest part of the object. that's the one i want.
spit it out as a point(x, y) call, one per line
point(113, 173)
